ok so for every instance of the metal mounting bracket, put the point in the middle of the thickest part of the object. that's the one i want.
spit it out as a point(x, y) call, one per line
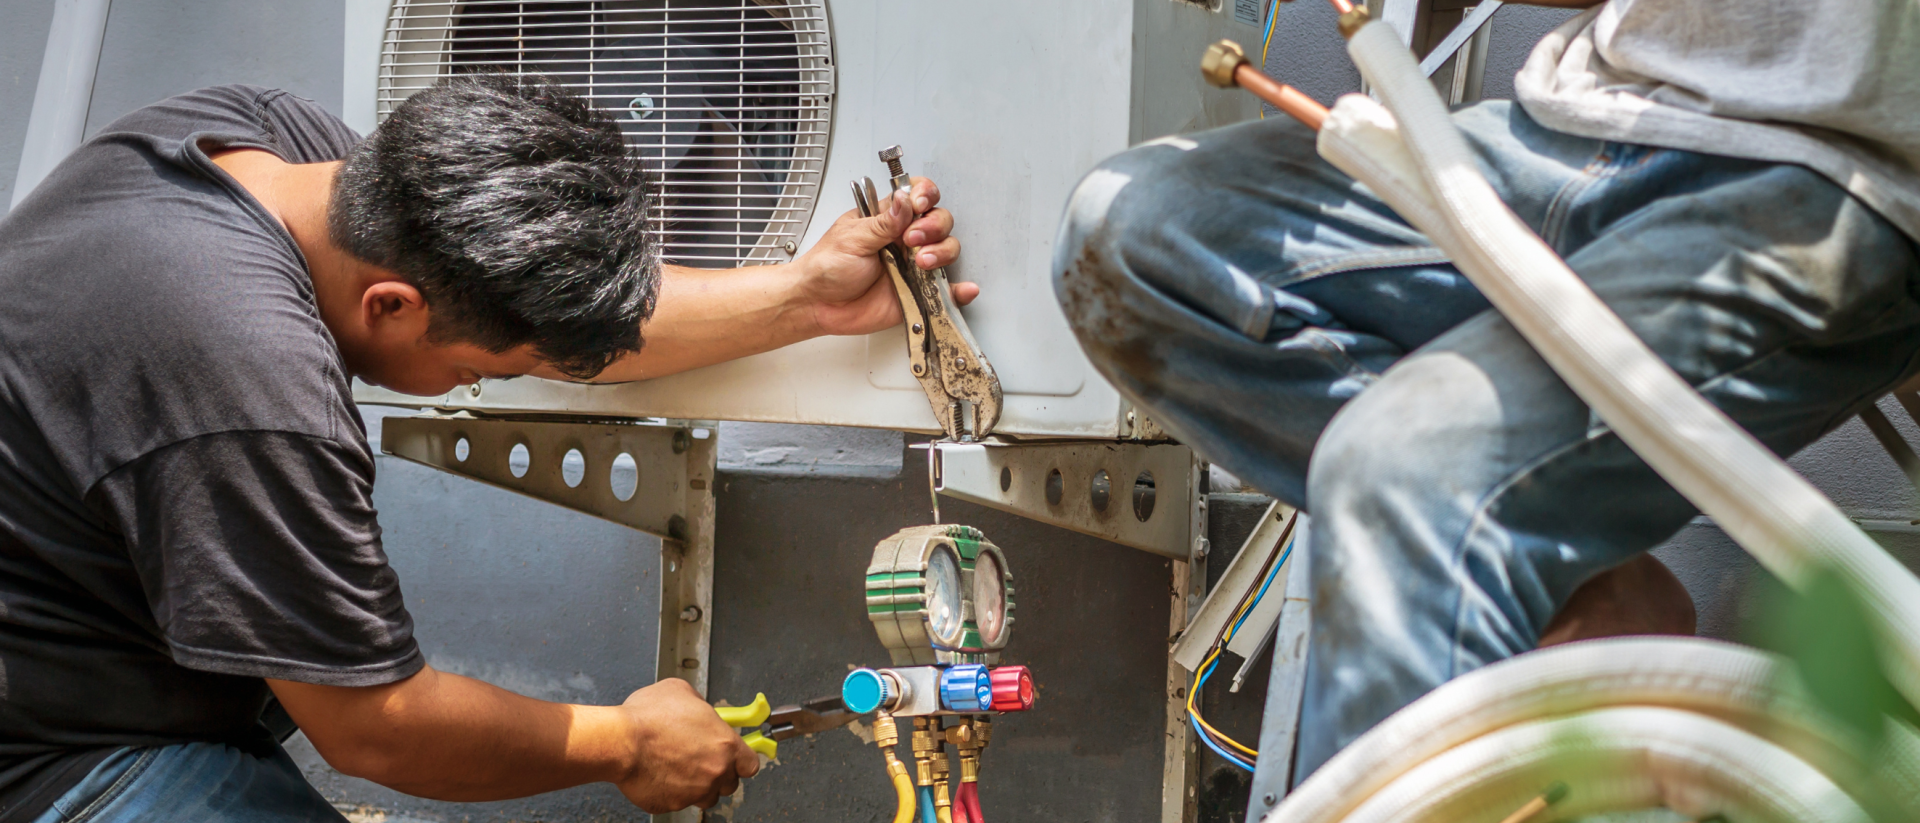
point(1142, 495)
point(672, 496)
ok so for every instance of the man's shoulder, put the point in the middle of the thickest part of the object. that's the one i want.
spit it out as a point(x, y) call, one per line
point(299, 129)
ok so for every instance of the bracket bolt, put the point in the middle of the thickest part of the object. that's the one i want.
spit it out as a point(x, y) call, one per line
point(690, 614)
point(474, 389)
point(919, 370)
point(1269, 799)
point(916, 328)
point(690, 663)
point(960, 362)
point(789, 247)
point(681, 441)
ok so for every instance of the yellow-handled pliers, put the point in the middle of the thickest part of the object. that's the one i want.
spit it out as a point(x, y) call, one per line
point(787, 722)
point(751, 716)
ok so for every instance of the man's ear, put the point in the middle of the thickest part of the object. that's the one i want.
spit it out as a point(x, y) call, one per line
point(394, 307)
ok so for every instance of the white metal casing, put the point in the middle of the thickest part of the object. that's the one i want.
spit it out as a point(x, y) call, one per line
point(1005, 104)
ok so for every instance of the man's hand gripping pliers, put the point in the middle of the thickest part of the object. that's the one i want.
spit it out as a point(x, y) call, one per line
point(940, 350)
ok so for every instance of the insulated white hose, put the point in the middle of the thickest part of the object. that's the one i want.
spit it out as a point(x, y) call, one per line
point(1615, 760)
point(1418, 162)
point(1738, 686)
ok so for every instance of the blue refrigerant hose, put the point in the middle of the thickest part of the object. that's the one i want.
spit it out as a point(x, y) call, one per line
point(926, 805)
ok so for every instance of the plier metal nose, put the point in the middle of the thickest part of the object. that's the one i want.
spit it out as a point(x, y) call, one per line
point(941, 351)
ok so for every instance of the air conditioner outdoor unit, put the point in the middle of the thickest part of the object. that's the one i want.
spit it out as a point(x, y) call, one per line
point(755, 114)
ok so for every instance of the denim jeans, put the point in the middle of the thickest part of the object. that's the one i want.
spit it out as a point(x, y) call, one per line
point(1275, 315)
point(192, 783)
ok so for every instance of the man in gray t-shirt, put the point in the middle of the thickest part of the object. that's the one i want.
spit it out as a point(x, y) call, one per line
point(189, 552)
point(1736, 180)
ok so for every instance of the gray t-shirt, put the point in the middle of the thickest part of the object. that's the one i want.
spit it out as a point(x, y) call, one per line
point(1833, 85)
point(185, 484)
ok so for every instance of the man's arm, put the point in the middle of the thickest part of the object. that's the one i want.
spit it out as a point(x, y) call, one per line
point(707, 316)
point(448, 737)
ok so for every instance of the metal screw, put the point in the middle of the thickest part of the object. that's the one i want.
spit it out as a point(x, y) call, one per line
point(891, 156)
point(474, 390)
point(1269, 799)
point(689, 663)
point(681, 441)
point(960, 362)
point(916, 328)
point(690, 614)
point(919, 370)
point(790, 247)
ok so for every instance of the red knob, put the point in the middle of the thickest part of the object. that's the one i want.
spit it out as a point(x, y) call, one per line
point(1012, 689)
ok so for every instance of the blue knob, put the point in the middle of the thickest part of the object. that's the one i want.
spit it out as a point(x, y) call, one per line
point(865, 690)
point(966, 688)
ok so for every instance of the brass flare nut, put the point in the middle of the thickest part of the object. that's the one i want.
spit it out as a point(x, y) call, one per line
point(1350, 22)
point(940, 797)
point(1219, 62)
point(969, 770)
point(886, 735)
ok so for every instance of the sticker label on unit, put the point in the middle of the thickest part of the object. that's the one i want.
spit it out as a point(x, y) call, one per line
point(1248, 11)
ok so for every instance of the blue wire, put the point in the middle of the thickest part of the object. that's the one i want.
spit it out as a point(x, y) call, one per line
point(1208, 672)
point(1271, 574)
point(926, 805)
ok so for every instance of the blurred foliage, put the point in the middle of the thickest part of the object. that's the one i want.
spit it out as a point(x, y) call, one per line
point(1832, 640)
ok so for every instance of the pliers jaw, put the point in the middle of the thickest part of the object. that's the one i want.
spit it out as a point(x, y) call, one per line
point(941, 351)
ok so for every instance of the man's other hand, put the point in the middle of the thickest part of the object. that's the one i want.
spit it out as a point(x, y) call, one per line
point(448, 737)
point(687, 755)
point(842, 277)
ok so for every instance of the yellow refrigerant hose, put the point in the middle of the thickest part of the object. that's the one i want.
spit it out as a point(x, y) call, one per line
point(903, 788)
point(886, 735)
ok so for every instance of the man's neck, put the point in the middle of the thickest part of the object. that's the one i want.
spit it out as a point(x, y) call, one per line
point(296, 194)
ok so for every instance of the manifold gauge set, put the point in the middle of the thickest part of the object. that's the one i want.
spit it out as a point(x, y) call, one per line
point(941, 600)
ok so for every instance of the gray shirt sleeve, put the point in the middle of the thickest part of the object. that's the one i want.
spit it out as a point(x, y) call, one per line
point(260, 555)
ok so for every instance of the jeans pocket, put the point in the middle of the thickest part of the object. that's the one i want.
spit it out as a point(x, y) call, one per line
point(91, 797)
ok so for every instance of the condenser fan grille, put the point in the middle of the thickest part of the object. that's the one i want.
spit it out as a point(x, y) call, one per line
point(725, 101)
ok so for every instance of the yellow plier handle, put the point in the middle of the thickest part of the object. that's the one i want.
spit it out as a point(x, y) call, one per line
point(751, 716)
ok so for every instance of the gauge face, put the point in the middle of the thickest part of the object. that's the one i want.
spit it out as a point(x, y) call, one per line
point(943, 595)
point(989, 598)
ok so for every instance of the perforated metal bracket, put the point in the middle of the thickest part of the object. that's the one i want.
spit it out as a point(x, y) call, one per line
point(672, 496)
point(1143, 495)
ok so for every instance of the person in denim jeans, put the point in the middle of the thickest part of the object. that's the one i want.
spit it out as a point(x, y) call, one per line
point(1278, 317)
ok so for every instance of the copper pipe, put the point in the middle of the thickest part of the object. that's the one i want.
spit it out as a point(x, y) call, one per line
point(1289, 100)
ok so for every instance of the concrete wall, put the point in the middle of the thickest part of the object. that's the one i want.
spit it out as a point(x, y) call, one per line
point(560, 605)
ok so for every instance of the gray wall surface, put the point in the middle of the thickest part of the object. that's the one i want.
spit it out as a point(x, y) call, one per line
point(560, 605)
point(23, 41)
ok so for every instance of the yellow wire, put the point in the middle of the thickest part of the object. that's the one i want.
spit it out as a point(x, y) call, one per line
point(1273, 20)
point(1232, 626)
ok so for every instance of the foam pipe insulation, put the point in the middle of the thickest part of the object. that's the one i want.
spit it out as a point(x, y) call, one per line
point(1411, 154)
point(1739, 687)
point(1698, 727)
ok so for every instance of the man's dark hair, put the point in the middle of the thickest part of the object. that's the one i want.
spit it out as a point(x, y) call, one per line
point(514, 208)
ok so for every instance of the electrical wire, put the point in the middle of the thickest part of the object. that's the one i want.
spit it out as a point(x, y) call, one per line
point(1273, 16)
point(1214, 739)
